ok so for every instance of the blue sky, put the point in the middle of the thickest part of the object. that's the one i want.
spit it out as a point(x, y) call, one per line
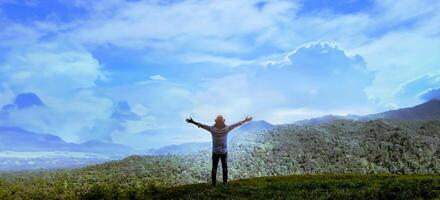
point(131, 71)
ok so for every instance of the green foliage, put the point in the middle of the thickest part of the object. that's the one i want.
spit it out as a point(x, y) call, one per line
point(324, 186)
point(342, 147)
point(321, 186)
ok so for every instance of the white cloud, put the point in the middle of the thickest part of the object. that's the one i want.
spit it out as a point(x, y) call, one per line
point(50, 68)
point(417, 90)
point(228, 96)
point(319, 67)
point(401, 56)
point(399, 42)
point(430, 94)
point(144, 23)
point(17, 34)
point(211, 59)
point(59, 73)
point(157, 77)
point(316, 78)
point(161, 106)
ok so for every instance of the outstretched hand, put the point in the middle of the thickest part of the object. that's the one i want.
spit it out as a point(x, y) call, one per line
point(248, 119)
point(189, 120)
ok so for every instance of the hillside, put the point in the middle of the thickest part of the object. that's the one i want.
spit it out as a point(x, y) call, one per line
point(342, 147)
point(311, 187)
point(323, 186)
point(379, 146)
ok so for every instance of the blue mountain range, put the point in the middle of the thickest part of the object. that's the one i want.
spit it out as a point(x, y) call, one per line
point(17, 139)
point(425, 111)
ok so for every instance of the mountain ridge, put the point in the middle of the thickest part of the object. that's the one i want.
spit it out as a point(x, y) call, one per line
point(18, 139)
point(425, 111)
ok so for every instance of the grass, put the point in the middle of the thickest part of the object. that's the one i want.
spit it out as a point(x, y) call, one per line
point(320, 186)
point(323, 186)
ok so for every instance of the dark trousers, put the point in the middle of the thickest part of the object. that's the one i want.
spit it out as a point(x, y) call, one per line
point(224, 159)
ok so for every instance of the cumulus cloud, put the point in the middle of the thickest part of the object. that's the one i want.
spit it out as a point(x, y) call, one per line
point(17, 34)
point(38, 67)
point(60, 75)
point(229, 96)
point(399, 41)
point(314, 79)
point(405, 51)
point(150, 111)
point(416, 90)
point(431, 94)
point(315, 75)
point(122, 111)
point(25, 100)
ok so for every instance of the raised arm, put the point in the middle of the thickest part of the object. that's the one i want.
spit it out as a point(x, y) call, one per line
point(247, 119)
point(200, 125)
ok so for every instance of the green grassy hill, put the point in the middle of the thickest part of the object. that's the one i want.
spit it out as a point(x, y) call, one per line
point(313, 187)
point(324, 186)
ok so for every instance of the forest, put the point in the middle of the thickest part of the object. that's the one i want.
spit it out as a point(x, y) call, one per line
point(341, 147)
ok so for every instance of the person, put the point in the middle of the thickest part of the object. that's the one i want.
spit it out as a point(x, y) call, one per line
point(219, 132)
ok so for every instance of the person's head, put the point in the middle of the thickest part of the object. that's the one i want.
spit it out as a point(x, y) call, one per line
point(219, 121)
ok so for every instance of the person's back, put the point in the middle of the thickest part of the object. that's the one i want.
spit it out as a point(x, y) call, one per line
point(219, 139)
point(219, 132)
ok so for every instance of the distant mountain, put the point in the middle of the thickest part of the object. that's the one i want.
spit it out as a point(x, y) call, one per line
point(21, 149)
point(325, 119)
point(181, 149)
point(255, 126)
point(424, 111)
point(17, 139)
point(194, 147)
point(24, 150)
point(105, 147)
point(250, 127)
point(17, 160)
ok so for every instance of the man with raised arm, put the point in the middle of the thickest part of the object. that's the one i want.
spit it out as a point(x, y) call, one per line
point(219, 132)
